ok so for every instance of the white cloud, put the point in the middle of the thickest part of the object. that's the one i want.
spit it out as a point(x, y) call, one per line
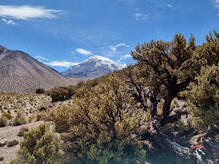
point(40, 58)
point(114, 48)
point(60, 63)
point(8, 21)
point(169, 5)
point(217, 1)
point(140, 16)
point(27, 12)
point(83, 51)
point(127, 56)
point(124, 57)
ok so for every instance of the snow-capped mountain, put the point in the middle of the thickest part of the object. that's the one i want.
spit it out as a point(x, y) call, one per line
point(94, 66)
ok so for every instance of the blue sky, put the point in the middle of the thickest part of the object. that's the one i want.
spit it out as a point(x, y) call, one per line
point(62, 33)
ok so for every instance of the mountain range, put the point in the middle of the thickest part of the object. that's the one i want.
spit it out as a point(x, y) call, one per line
point(21, 73)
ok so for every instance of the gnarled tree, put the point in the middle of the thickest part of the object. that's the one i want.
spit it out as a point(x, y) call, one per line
point(164, 69)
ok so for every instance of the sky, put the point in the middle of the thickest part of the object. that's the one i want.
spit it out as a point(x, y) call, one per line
point(64, 33)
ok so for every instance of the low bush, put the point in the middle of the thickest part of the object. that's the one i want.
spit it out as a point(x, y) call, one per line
point(40, 146)
point(3, 121)
point(20, 119)
point(101, 124)
point(8, 115)
point(60, 93)
point(40, 91)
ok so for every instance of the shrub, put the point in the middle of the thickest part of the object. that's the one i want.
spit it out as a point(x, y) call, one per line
point(39, 146)
point(101, 124)
point(42, 108)
point(61, 119)
point(20, 119)
point(61, 93)
point(204, 97)
point(42, 116)
point(3, 121)
point(40, 91)
point(8, 115)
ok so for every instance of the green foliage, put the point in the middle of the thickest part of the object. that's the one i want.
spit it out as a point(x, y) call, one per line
point(61, 93)
point(159, 74)
point(61, 117)
point(40, 91)
point(102, 124)
point(165, 69)
point(39, 146)
point(20, 119)
point(204, 98)
point(204, 55)
point(3, 121)
point(8, 115)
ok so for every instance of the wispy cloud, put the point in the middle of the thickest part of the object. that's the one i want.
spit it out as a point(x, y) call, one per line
point(27, 12)
point(60, 63)
point(216, 3)
point(124, 57)
point(40, 58)
point(8, 21)
point(114, 48)
point(140, 16)
point(83, 51)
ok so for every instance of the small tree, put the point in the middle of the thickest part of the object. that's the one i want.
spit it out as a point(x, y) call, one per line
point(164, 69)
point(159, 69)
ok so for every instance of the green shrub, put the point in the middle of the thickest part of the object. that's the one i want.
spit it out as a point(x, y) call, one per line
point(40, 91)
point(61, 119)
point(101, 124)
point(61, 93)
point(8, 115)
point(40, 146)
point(204, 97)
point(3, 121)
point(20, 119)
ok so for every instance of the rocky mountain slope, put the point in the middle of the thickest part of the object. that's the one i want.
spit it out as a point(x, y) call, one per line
point(21, 73)
point(92, 67)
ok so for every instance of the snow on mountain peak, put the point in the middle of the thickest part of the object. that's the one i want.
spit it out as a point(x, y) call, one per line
point(98, 58)
point(94, 66)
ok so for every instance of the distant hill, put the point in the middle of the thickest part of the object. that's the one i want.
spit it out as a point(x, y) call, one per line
point(21, 73)
point(93, 67)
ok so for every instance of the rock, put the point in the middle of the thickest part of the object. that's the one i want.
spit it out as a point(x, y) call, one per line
point(3, 144)
point(22, 131)
point(12, 143)
point(1, 158)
